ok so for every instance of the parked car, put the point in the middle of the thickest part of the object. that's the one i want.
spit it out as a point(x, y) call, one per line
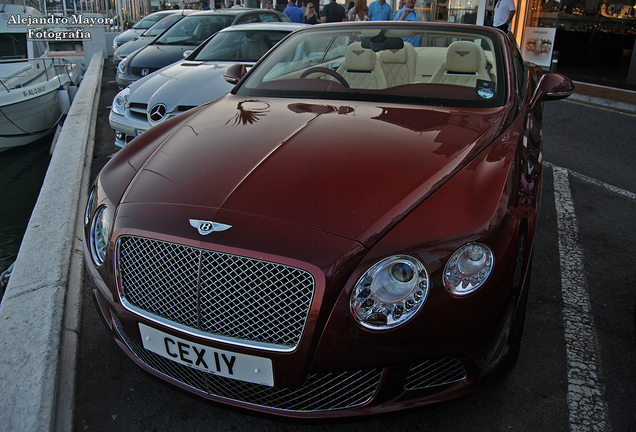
point(191, 82)
point(347, 232)
point(140, 26)
point(148, 35)
point(184, 36)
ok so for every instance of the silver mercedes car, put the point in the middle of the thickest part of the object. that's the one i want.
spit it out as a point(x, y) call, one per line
point(193, 81)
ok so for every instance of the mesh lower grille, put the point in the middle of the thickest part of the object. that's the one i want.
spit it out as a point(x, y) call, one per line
point(432, 373)
point(321, 392)
point(221, 294)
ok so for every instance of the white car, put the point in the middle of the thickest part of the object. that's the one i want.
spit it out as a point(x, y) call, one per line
point(191, 82)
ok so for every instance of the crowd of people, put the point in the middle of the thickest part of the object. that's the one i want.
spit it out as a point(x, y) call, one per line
point(378, 10)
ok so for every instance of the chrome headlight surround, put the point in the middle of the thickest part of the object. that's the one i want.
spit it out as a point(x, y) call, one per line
point(468, 269)
point(90, 206)
point(99, 234)
point(121, 101)
point(390, 292)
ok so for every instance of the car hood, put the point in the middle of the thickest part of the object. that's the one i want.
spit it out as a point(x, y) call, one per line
point(158, 56)
point(129, 35)
point(353, 169)
point(183, 83)
point(133, 45)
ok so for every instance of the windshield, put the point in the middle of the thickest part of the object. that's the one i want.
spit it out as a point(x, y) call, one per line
point(192, 30)
point(240, 46)
point(398, 62)
point(148, 21)
point(160, 26)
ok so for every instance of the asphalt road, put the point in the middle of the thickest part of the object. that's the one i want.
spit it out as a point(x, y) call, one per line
point(577, 366)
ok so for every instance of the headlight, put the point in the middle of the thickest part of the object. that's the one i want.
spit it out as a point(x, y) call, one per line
point(390, 292)
point(121, 67)
point(120, 101)
point(99, 235)
point(468, 268)
point(89, 206)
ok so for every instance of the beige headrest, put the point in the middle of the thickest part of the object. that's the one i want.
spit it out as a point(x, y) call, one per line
point(394, 56)
point(463, 57)
point(358, 58)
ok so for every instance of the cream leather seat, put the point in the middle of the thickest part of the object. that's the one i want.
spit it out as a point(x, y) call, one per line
point(464, 64)
point(254, 48)
point(360, 68)
point(399, 65)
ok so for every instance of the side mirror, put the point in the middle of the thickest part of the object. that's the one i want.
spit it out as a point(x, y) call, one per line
point(551, 87)
point(234, 73)
point(187, 53)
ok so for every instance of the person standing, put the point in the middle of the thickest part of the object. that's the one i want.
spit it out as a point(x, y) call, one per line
point(294, 13)
point(333, 12)
point(504, 12)
point(380, 10)
point(407, 13)
point(310, 15)
point(269, 5)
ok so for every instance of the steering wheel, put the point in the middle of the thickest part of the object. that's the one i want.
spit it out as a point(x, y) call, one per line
point(318, 69)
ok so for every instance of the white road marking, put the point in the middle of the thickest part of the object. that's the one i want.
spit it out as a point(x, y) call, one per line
point(586, 403)
point(616, 190)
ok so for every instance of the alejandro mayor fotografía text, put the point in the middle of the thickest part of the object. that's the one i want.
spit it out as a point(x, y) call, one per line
point(36, 32)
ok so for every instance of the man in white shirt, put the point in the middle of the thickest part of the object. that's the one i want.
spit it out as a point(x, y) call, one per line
point(504, 11)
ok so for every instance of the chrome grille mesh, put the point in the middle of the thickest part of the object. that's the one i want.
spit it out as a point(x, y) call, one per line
point(221, 294)
point(321, 392)
point(432, 373)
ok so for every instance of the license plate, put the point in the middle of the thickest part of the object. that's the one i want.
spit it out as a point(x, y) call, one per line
point(227, 364)
point(138, 132)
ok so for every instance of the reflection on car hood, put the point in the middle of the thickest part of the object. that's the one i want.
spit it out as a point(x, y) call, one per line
point(158, 56)
point(349, 168)
point(184, 83)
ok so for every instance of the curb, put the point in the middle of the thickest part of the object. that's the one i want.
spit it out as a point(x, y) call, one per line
point(40, 308)
point(607, 103)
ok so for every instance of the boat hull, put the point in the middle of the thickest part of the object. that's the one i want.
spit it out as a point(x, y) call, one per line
point(24, 122)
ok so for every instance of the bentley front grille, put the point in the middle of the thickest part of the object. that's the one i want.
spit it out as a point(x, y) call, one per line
point(431, 373)
point(221, 296)
point(320, 392)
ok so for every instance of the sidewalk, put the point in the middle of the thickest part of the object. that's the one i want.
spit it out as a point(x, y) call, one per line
point(611, 97)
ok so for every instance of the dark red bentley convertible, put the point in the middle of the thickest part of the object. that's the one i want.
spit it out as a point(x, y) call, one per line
point(348, 232)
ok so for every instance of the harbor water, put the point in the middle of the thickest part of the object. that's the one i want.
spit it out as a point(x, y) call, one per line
point(22, 172)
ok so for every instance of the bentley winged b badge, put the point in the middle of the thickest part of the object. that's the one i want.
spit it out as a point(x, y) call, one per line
point(206, 227)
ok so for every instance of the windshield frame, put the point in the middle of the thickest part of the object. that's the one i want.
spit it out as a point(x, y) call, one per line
point(424, 93)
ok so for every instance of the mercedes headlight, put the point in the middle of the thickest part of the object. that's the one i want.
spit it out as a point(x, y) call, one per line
point(120, 101)
point(390, 293)
point(468, 268)
point(99, 233)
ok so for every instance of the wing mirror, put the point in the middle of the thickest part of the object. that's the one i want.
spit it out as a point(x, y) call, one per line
point(551, 87)
point(234, 73)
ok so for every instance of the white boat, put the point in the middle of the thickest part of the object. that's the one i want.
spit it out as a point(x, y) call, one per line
point(35, 89)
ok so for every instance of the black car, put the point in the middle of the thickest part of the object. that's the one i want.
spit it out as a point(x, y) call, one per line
point(186, 35)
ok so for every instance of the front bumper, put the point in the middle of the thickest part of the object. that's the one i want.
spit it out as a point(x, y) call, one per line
point(315, 387)
point(124, 80)
point(127, 127)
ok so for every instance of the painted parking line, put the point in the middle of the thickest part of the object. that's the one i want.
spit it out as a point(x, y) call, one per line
point(588, 410)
